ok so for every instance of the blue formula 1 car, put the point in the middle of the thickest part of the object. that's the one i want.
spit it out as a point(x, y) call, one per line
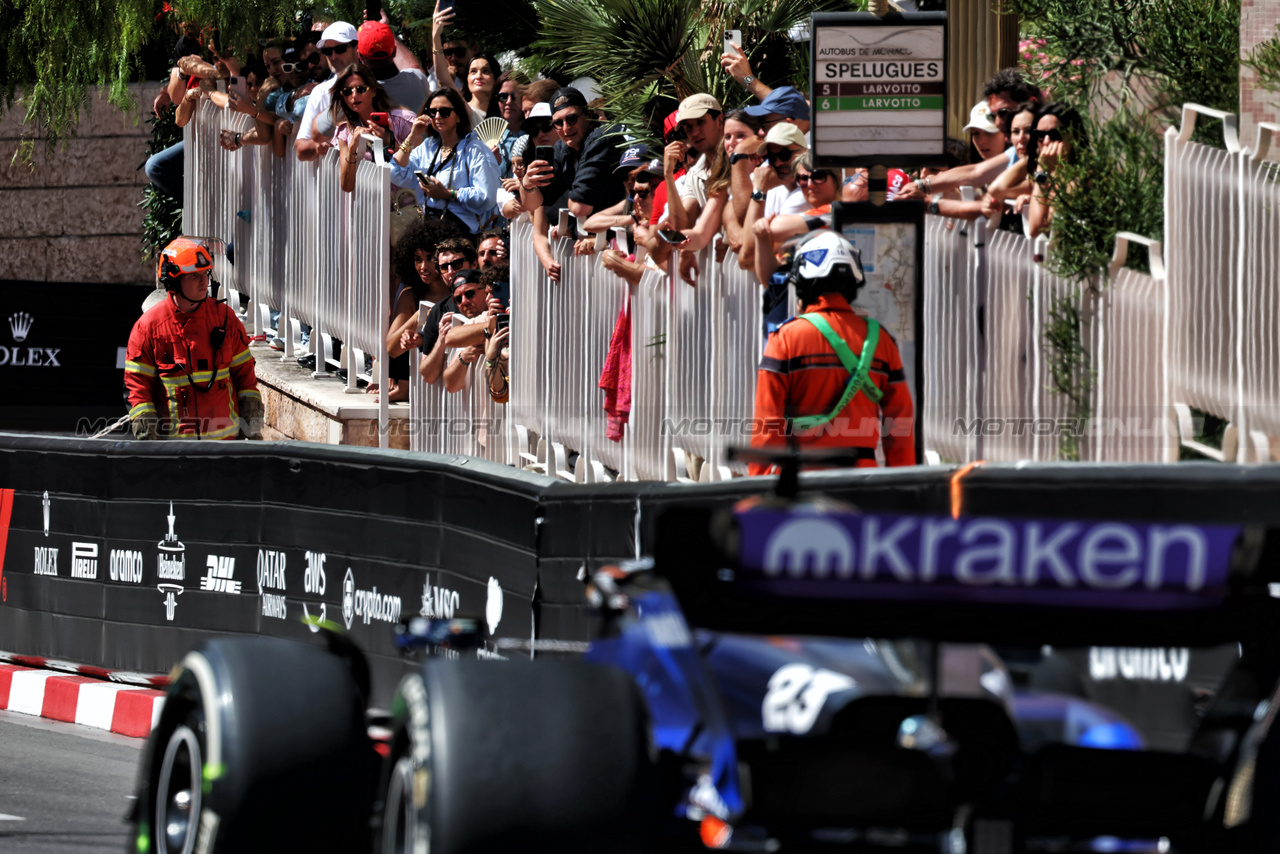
point(734, 699)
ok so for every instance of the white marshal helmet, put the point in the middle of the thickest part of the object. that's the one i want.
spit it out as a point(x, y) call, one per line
point(821, 252)
point(825, 261)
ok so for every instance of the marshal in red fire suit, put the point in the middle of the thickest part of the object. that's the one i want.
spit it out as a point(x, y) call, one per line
point(801, 375)
point(174, 375)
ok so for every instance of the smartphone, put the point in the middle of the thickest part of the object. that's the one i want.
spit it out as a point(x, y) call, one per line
point(423, 178)
point(373, 10)
point(673, 237)
point(545, 152)
point(445, 5)
point(732, 37)
point(380, 119)
point(502, 292)
point(238, 85)
point(504, 321)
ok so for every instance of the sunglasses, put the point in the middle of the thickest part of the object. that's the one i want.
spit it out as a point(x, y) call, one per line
point(1054, 135)
point(1006, 114)
point(290, 67)
point(503, 97)
point(341, 48)
point(677, 135)
point(442, 112)
point(353, 90)
point(535, 126)
point(455, 264)
point(641, 193)
point(469, 293)
point(455, 52)
point(817, 177)
point(782, 156)
point(567, 122)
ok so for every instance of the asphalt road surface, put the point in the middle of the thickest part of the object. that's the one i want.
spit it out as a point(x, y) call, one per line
point(63, 788)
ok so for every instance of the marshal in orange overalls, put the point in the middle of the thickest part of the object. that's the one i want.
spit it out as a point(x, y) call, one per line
point(801, 375)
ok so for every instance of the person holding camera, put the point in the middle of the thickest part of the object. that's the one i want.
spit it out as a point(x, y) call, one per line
point(362, 108)
point(457, 177)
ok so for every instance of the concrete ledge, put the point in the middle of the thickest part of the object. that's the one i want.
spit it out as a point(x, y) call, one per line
point(318, 409)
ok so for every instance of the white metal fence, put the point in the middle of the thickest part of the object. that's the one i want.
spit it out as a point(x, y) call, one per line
point(300, 245)
point(1018, 363)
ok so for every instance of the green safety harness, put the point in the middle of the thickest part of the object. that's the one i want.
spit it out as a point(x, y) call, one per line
point(858, 369)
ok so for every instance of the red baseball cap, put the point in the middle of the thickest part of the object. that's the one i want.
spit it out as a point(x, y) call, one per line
point(670, 122)
point(376, 41)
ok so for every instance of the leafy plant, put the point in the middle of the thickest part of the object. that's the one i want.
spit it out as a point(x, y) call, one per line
point(647, 55)
point(1069, 372)
point(1129, 65)
point(1264, 59)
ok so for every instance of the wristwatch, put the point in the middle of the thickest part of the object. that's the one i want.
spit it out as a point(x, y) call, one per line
point(757, 196)
point(1041, 177)
point(933, 207)
point(747, 81)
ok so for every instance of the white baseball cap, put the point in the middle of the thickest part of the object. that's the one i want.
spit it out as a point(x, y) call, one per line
point(981, 118)
point(341, 32)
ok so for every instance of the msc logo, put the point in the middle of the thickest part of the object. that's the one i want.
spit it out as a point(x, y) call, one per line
point(817, 545)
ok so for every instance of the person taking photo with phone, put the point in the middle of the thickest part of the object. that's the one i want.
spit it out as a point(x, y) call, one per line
point(362, 108)
point(457, 177)
point(581, 179)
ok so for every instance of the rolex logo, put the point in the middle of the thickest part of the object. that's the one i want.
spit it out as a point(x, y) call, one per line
point(20, 325)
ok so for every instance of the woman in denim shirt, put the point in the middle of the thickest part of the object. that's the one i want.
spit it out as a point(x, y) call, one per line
point(457, 175)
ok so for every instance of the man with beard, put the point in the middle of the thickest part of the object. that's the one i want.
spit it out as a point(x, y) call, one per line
point(582, 178)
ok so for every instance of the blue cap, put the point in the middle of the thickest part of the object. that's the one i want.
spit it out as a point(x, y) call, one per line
point(635, 155)
point(785, 101)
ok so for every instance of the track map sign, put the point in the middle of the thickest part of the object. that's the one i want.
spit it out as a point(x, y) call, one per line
point(879, 89)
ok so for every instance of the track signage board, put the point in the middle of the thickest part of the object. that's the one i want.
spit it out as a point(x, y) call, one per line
point(878, 88)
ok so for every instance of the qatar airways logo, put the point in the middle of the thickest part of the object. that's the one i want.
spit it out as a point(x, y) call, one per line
point(987, 554)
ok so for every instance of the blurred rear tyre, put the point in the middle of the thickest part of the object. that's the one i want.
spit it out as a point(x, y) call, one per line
point(262, 747)
point(510, 756)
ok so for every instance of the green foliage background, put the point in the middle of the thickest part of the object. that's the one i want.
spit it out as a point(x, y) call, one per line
point(1146, 58)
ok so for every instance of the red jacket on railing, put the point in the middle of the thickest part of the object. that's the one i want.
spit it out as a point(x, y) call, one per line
point(801, 375)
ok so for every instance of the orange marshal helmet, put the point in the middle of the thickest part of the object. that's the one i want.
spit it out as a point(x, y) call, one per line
point(182, 256)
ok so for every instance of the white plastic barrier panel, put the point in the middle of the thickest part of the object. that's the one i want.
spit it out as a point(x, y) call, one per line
point(1202, 228)
point(1132, 413)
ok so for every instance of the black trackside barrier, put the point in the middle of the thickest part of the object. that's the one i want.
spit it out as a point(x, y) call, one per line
point(126, 554)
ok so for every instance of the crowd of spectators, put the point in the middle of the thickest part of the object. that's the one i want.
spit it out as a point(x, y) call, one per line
point(479, 147)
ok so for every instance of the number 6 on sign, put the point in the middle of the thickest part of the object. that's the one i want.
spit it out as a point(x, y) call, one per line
point(826, 103)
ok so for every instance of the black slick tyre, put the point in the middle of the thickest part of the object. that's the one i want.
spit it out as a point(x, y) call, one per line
point(508, 756)
point(262, 747)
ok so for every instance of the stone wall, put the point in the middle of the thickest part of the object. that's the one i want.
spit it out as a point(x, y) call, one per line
point(1258, 20)
point(73, 215)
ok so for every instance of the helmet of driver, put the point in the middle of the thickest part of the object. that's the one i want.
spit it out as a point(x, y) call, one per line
point(824, 262)
point(183, 255)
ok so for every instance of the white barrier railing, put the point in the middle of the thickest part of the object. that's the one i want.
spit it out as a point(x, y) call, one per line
point(1221, 233)
point(1150, 346)
point(294, 247)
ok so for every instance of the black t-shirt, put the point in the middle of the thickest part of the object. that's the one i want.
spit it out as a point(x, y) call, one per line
point(431, 326)
point(585, 176)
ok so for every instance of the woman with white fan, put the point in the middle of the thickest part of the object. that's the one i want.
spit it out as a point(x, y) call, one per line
point(457, 176)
